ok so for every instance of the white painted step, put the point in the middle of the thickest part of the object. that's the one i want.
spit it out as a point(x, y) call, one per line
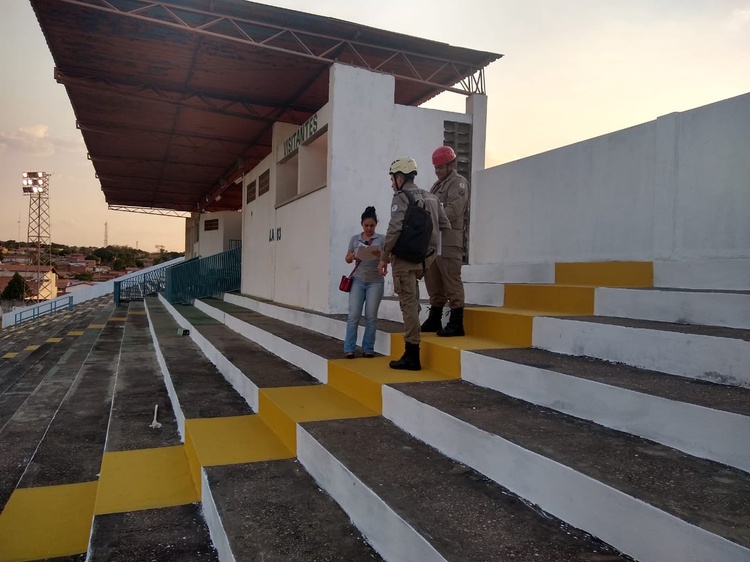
point(621, 518)
point(704, 420)
point(649, 345)
point(710, 308)
point(712, 274)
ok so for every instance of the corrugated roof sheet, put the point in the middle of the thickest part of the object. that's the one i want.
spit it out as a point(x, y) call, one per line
point(175, 99)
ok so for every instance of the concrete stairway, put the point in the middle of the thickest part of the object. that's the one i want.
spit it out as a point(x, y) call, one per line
point(592, 417)
point(382, 478)
point(650, 457)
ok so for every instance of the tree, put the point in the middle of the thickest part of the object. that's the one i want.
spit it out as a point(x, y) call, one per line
point(16, 289)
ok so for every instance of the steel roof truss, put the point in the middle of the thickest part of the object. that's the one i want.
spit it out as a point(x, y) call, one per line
point(307, 51)
point(150, 211)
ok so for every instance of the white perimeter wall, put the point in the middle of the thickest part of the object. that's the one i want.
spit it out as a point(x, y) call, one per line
point(672, 189)
point(366, 132)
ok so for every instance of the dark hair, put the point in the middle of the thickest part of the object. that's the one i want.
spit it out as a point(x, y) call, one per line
point(369, 214)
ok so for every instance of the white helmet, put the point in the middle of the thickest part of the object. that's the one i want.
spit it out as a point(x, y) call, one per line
point(404, 165)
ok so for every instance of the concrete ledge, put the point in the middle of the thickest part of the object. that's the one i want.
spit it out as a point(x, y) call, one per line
point(628, 524)
point(213, 521)
point(243, 385)
point(178, 413)
point(316, 322)
point(543, 272)
point(716, 359)
point(731, 310)
point(696, 430)
point(717, 274)
point(386, 531)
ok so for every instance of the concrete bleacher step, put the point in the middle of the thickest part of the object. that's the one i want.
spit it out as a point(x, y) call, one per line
point(709, 353)
point(700, 418)
point(243, 462)
point(279, 508)
point(146, 504)
point(59, 434)
point(413, 503)
point(361, 380)
point(26, 363)
point(647, 500)
point(730, 309)
point(710, 418)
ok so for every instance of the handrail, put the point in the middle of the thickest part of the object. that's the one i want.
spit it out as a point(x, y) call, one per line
point(204, 277)
point(138, 286)
point(46, 307)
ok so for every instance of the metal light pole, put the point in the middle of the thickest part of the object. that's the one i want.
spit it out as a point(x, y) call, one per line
point(36, 187)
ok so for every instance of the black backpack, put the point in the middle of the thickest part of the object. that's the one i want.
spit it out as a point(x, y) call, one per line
point(414, 241)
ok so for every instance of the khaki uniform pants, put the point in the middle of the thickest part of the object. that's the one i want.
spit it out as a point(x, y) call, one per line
point(444, 285)
point(405, 285)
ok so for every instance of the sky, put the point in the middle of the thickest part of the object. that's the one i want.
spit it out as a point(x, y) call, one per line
point(571, 70)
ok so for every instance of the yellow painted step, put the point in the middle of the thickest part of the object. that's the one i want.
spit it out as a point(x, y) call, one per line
point(145, 479)
point(230, 440)
point(556, 299)
point(362, 379)
point(443, 354)
point(47, 522)
point(606, 274)
point(508, 327)
point(283, 408)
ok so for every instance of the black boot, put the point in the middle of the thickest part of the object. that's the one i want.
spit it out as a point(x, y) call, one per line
point(409, 360)
point(455, 326)
point(434, 320)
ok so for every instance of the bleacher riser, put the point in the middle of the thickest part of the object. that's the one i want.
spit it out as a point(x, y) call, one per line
point(309, 320)
point(730, 310)
point(703, 432)
point(232, 374)
point(215, 525)
point(179, 414)
point(719, 360)
point(723, 274)
point(632, 526)
point(386, 531)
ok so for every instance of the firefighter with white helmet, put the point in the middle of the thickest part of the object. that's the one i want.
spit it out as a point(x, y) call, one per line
point(406, 274)
point(443, 278)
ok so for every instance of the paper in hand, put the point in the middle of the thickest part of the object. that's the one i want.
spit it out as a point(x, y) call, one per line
point(367, 253)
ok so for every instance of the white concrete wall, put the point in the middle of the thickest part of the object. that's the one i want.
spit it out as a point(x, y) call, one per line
point(366, 131)
point(216, 241)
point(259, 219)
point(301, 265)
point(671, 189)
point(361, 155)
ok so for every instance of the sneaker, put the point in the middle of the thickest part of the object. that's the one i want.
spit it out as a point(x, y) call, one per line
point(349, 355)
point(368, 354)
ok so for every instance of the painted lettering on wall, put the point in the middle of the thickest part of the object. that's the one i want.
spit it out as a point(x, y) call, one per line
point(308, 129)
point(274, 235)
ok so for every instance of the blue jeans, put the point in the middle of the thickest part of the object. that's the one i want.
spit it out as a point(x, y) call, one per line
point(370, 294)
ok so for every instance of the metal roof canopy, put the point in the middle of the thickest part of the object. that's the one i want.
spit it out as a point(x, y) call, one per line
point(175, 100)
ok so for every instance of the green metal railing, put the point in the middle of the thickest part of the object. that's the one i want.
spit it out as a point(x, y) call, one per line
point(138, 286)
point(204, 277)
point(47, 307)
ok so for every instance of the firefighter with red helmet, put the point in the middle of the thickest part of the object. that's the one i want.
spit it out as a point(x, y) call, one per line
point(443, 277)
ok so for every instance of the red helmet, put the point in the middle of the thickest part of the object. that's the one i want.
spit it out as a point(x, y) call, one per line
point(443, 155)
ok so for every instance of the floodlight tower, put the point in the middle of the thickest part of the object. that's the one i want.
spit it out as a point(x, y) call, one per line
point(36, 186)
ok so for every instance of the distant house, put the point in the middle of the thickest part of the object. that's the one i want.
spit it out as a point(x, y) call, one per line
point(41, 281)
point(17, 258)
